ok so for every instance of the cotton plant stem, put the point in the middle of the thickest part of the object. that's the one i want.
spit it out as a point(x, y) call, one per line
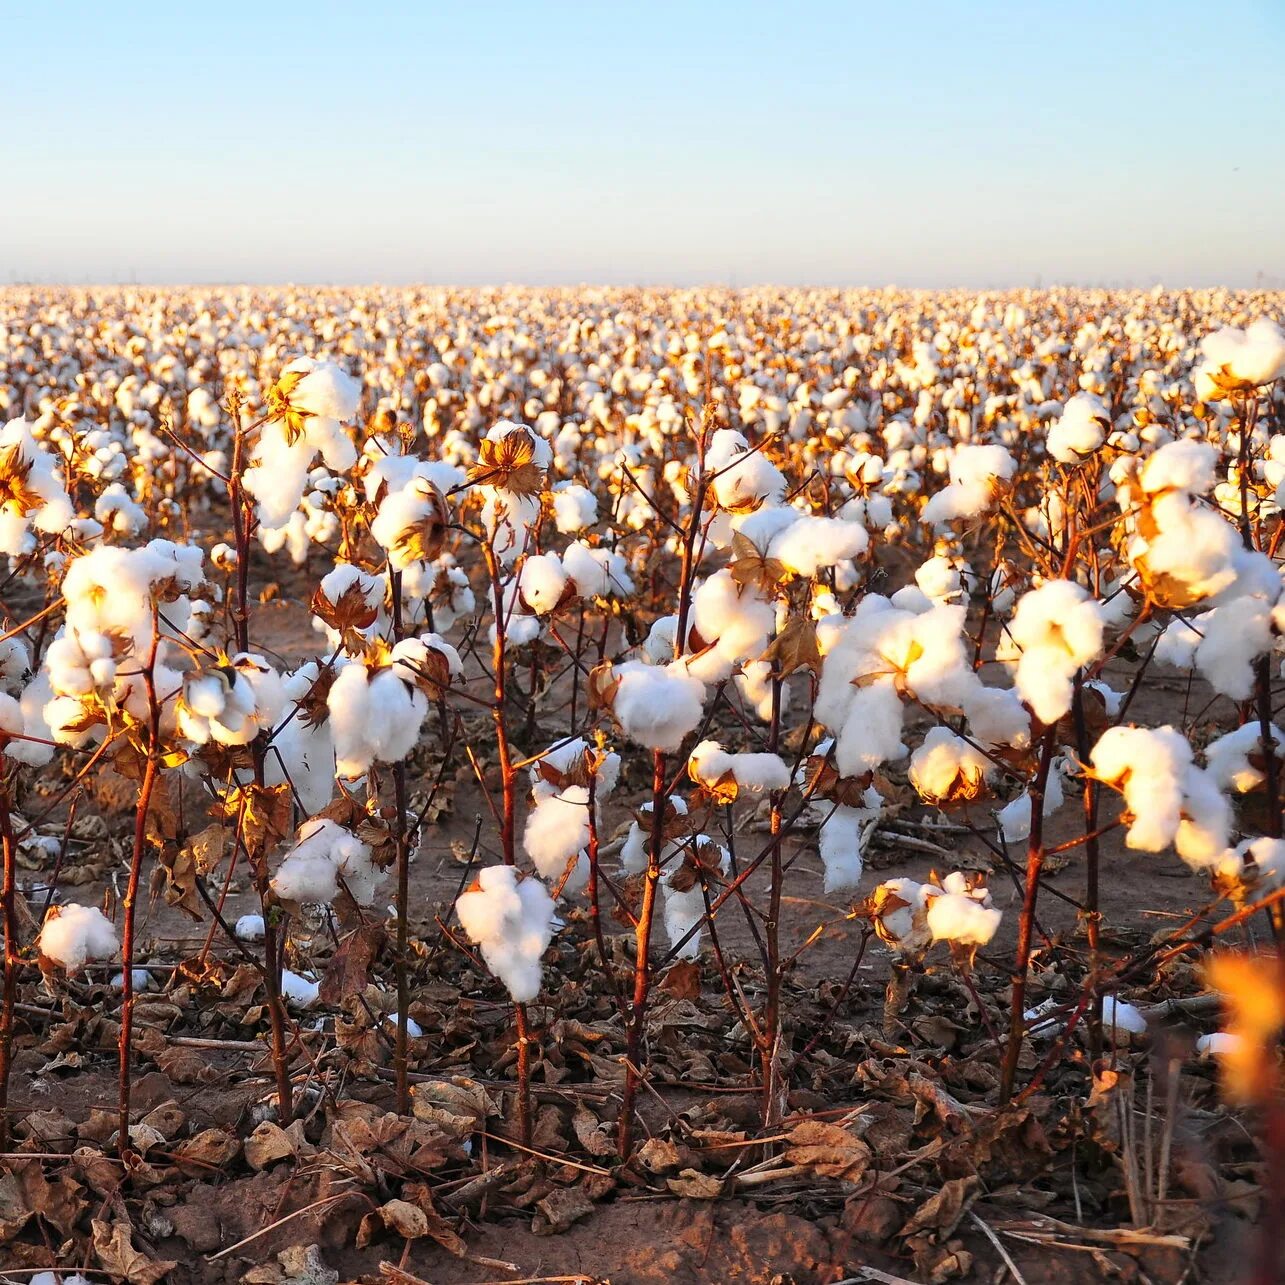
point(142, 805)
point(12, 961)
point(1034, 868)
point(642, 959)
point(1092, 856)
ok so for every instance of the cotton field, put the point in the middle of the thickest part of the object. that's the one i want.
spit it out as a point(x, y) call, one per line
point(477, 763)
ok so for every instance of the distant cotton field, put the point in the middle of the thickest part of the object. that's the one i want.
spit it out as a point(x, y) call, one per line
point(473, 760)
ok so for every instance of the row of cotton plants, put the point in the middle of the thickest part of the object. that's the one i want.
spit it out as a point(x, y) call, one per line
point(731, 578)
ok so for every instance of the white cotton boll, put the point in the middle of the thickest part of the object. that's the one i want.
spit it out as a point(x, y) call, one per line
point(140, 980)
point(939, 579)
point(118, 513)
point(996, 716)
point(755, 686)
point(404, 520)
point(810, 543)
point(1121, 1018)
point(1015, 818)
point(1229, 757)
point(682, 912)
point(946, 767)
point(1149, 766)
point(976, 472)
point(248, 928)
point(901, 907)
point(870, 735)
point(737, 622)
point(1058, 628)
point(41, 476)
point(1205, 827)
point(842, 839)
point(277, 474)
point(557, 829)
point(1241, 359)
point(325, 853)
point(657, 707)
point(1185, 465)
point(1219, 1044)
point(633, 853)
point(542, 582)
point(1235, 635)
point(574, 507)
point(325, 390)
point(965, 917)
point(709, 764)
point(1079, 432)
point(1177, 644)
point(512, 922)
point(299, 991)
point(413, 1029)
point(1260, 860)
point(76, 935)
point(741, 478)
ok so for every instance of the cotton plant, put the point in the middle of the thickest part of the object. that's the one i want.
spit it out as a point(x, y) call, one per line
point(512, 921)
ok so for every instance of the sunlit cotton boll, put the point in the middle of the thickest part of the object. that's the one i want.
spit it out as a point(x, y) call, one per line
point(657, 706)
point(75, 935)
point(511, 920)
point(325, 854)
point(1055, 629)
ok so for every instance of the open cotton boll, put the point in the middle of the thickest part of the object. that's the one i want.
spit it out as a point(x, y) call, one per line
point(842, 839)
point(1255, 861)
point(633, 852)
point(299, 991)
point(324, 853)
point(1230, 757)
point(248, 928)
point(809, 543)
point(742, 478)
point(140, 980)
point(684, 898)
point(1057, 628)
point(870, 734)
point(1015, 818)
point(598, 573)
point(1235, 635)
point(736, 621)
point(73, 935)
point(1121, 1018)
point(899, 910)
point(1219, 1044)
point(1082, 428)
point(1184, 465)
point(961, 914)
point(323, 389)
point(656, 707)
point(410, 524)
point(1170, 799)
point(574, 507)
point(277, 474)
point(947, 769)
point(372, 718)
point(996, 716)
point(512, 922)
point(714, 768)
point(32, 493)
point(1237, 360)
point(976, 473)
point(557, 829)
point(542, 582)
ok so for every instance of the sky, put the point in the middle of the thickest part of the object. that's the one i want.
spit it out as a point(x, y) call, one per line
point(981, 143)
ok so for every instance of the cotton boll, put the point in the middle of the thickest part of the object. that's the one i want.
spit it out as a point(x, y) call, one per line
point(1220, 1044)
point(1229, 758)
point(249, 928)
point(73, 935)
point(557, 829)
point(656, 707)
point(1057, 628)
point(299, 991)
point(899, 911)
point(512, 922)
point(1237, 360)
point(140, 980)
point(542, 582)
point(410, 524)
point(842, 839)
point(741, 478)
point(808, 544)
point(947, 769)
point(324, 854)
point(711, 766)
point(870, 735)
point(962, 915)
point(976, 476)
point(1080, 431)
point(731, 624)
point(1235, 635)
point(574, 508)
point(1121, 1020)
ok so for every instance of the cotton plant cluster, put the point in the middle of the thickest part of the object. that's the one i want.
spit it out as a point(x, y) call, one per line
point(795, 560)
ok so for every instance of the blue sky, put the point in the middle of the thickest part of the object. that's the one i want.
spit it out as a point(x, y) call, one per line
point(930, 144)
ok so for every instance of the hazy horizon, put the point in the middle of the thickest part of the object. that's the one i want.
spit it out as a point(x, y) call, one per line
point(830, 144)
